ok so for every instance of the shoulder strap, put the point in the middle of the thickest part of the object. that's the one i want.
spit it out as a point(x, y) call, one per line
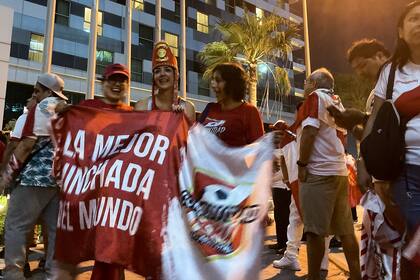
point(391, 79)
point(204, 114)
point(150, 103)
point(34, 153)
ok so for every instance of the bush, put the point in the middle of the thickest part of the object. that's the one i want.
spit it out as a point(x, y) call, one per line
point(3, 211)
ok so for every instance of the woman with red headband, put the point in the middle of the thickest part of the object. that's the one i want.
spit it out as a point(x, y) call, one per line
point(165, 84)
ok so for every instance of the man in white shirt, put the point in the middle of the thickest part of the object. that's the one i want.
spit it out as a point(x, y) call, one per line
point(322, 175)
point(37, 193)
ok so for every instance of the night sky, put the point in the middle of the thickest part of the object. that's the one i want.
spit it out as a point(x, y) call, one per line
point(334, 24)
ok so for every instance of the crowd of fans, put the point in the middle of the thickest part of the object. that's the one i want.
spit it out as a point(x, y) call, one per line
point(321, 208)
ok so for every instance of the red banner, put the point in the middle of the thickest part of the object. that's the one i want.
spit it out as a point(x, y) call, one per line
point(146, 191)
point(114, 167)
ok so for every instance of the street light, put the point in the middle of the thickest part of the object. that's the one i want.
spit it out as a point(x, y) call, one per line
point(306, 36)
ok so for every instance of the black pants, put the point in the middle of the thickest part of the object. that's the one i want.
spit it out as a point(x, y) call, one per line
point(281, 199)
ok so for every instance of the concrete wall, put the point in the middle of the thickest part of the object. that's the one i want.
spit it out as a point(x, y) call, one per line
point(6, 23)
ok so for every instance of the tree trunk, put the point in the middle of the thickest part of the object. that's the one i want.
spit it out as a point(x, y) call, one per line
point(252, 84)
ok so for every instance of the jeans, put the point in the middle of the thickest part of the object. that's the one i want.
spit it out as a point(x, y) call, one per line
point(406, 193)
point(26, 205)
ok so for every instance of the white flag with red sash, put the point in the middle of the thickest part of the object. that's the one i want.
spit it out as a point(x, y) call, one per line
point(215, 230)
point(380, 248)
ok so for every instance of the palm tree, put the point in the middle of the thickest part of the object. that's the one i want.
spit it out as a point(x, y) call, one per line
point(250, 41)
point(282, 88)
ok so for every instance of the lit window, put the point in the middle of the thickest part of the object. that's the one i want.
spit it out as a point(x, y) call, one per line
point(86, 23)
point(259, 13)
point(36, 47)
point(138, 4)
point(202, 22)
point(172, 41)
point(103, 59)
point(62, 12)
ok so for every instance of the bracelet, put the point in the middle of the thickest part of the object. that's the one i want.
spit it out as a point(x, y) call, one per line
point(301, 164)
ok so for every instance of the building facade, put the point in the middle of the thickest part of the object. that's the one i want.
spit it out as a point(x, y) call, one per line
point(71, 47)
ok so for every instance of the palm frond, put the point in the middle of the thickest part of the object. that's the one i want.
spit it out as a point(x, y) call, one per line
point(282, 81)
point(253, 40)
point(213, 54)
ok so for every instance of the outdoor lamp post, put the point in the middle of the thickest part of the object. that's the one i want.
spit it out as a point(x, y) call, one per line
point(306, 36)
point(90, 92)
point(49, 37)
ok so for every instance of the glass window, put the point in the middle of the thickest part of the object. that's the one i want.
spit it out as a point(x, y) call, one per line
point(138, 4)
point(172, 41)
point(62, 12)
point(136, 70)
point(86, 23)
point(203, 86)
point(259, 13)
point(202, 22)
point(36, 47)
point(146, 33)
point(146, 37)
point(103, 59)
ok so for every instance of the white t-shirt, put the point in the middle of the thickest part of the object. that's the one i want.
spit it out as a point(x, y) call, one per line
point(328, 155)
point(18, 129)
point(406, 87)
point(278, 176)
point(38, 122)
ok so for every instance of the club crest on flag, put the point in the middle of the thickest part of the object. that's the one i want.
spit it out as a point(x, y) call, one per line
point(216, 212)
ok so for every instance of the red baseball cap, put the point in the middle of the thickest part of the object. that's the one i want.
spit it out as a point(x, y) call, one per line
point(116, 68)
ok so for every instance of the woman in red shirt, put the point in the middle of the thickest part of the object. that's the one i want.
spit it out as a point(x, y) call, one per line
point(233, 120)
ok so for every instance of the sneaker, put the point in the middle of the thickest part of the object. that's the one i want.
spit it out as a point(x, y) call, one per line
point(287, 262)
point(335, 243)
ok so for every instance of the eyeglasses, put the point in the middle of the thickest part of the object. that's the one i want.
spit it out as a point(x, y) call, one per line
point(117, 79)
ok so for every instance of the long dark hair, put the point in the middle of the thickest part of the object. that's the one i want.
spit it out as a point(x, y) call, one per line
point(402, 52)
point(236, 80)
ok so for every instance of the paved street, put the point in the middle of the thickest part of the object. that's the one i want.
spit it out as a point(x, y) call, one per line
point(337, 269)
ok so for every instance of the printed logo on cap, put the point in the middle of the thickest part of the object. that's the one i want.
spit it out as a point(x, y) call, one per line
point(161, 53)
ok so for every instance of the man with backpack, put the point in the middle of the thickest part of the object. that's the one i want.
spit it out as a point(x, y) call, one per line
point(36, 193)
point(366, 57)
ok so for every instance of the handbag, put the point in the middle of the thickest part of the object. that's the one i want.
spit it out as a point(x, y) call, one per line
point(383, 150)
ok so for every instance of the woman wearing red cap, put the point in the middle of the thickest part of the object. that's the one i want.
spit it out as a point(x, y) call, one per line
point(234, 121)
point(165, 84)
point(115, 83)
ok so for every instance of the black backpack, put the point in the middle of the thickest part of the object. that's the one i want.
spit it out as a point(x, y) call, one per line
point(383, 149)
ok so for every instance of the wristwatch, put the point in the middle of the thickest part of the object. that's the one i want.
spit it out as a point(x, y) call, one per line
point(301, 164)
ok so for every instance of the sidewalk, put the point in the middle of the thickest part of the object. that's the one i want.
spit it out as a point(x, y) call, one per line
point(337, 269)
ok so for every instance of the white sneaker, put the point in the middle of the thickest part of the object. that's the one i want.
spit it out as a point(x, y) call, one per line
point(287, 262)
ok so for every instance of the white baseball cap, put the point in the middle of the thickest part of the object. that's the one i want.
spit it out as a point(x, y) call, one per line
point(53, 82)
